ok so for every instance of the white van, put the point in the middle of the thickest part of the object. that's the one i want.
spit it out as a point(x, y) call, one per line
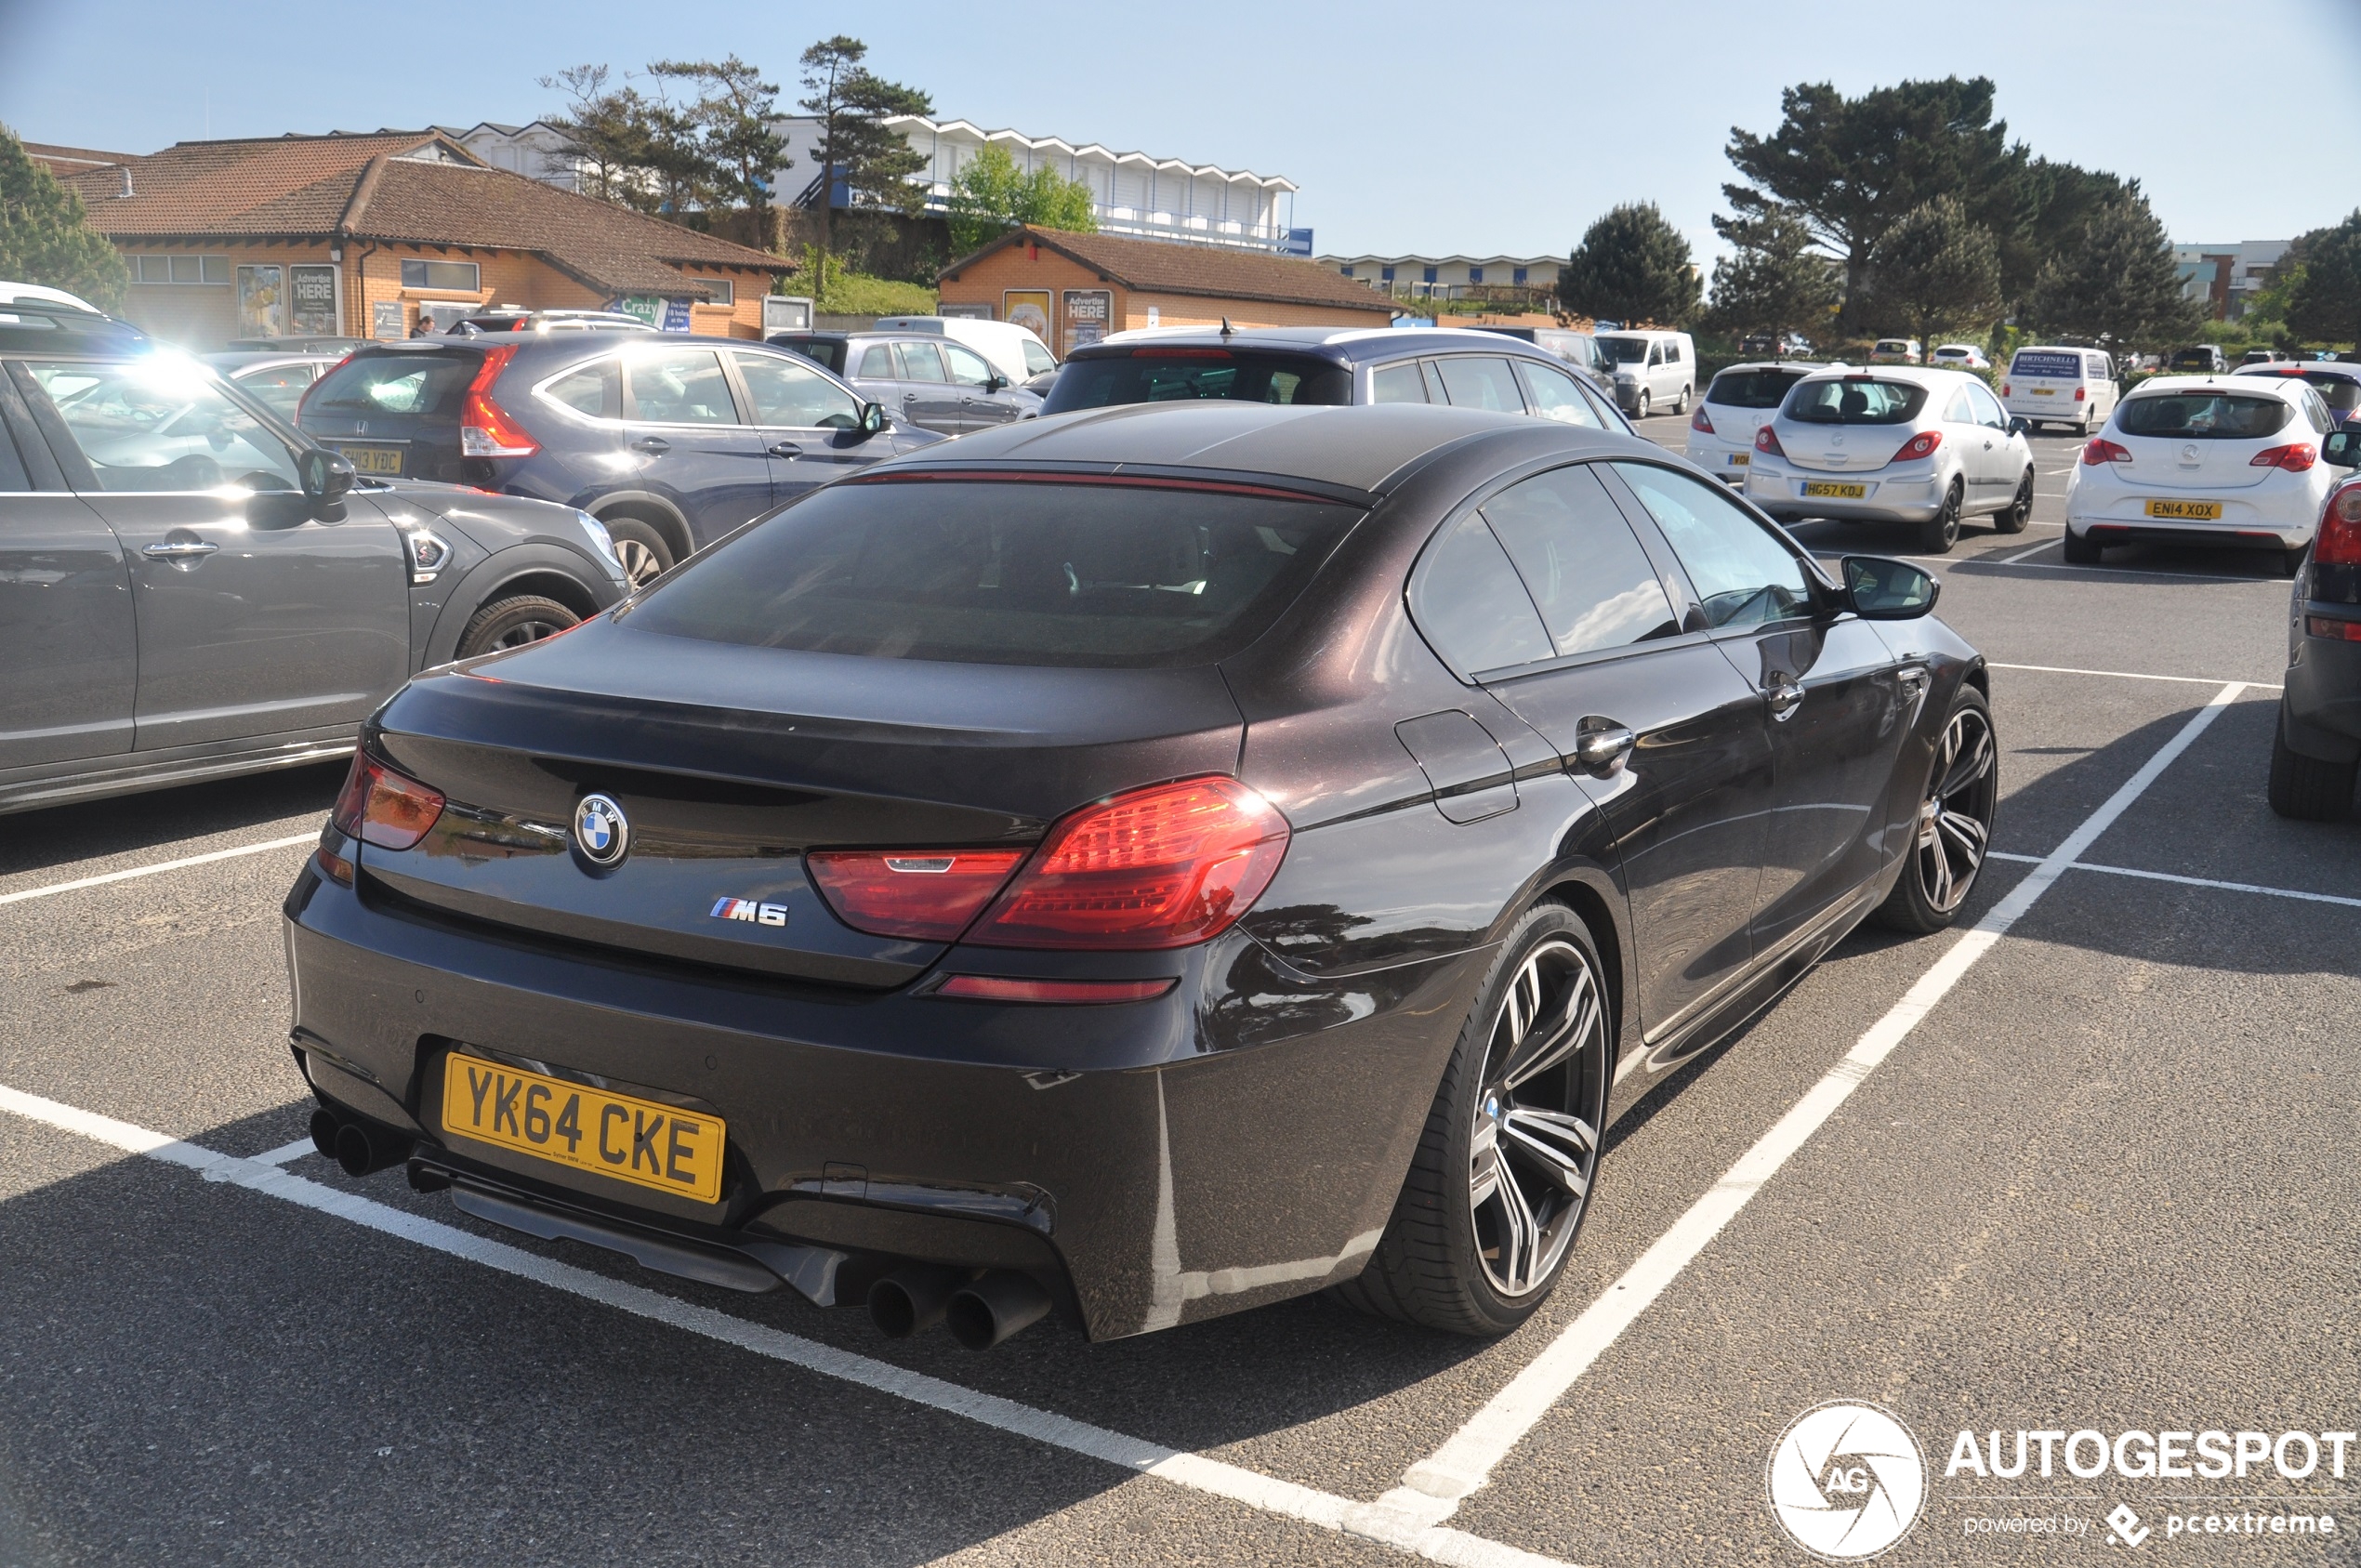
point(1013, 350)
point(1653, 370)
point(2060, 385)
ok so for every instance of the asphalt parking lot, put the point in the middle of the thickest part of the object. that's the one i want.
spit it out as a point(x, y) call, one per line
point(2090, 1161)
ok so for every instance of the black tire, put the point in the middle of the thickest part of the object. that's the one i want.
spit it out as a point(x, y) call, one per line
point(1641, 409)
point(1953, 830)
point(2304, 787)
point(512, 623)
point(1938, 533)
point(2081, 550)
point(2020, 510)
point(645, 555)
point(1443, 1251)
point(1680, 404)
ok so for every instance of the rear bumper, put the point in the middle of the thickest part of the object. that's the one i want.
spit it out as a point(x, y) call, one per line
point(2226, 534)
point(2320, 707)
point(1151, 1164)
point(1779, 491)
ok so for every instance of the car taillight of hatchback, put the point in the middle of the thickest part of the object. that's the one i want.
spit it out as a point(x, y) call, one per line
point(486, 430)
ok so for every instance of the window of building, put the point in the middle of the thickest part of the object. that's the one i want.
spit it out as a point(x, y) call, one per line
point(1476, 274)
point(1385, 274)
point(1429, 275)
point(1517, 276)
point(458, 276)
point(1348, 272)
point(724, 291)
point(179, 269)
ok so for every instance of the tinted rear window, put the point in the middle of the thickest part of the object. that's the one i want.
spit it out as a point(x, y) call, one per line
point(1856, 401)
point(1189, 376)
point(1751, 389)
point(2337, 392)
point(405, 383)
point(2202, 416)
point(830, 354)
point(975, 571)
point(2065, 367)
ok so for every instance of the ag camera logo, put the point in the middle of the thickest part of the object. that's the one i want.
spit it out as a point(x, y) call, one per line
point(1847, 1481)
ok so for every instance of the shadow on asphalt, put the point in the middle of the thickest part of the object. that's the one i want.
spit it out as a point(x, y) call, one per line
point(93, 829)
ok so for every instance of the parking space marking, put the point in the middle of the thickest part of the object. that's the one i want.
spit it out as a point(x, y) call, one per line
point(2135, 675)
point(1433, 1488)
point(287, 1152)
point(79, 882)
point(1373, 1522)
point(2192, 881)
point(2028, 555)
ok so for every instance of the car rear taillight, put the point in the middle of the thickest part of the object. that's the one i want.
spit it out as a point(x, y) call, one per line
point(2329, 626)
point(2338, 543)
point(1164, 866)
point(1005, 988)
point(301, 402)
point(2101, 450)
point(1699, 423)
point(2005, 388)
point(2295, 458)
point(485, 429)
point(1921, 445)
point(1767, 440)
point(2082, 394)
point(381, 807)
point(930, 895)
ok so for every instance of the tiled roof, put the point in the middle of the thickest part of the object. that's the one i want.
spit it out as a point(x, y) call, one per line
point(366, 188)
point(1154, 267)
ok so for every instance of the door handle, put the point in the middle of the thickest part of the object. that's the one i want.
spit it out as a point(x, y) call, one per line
point(1601, 745)
point(1783, 698)
point(909, 397)
point(784, 449)
point(178, 549)
point(652, 446)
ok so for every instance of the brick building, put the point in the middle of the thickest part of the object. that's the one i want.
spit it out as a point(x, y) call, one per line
point(359, 235)
point(1073, 289)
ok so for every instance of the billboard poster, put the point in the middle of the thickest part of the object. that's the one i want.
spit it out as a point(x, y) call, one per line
point(676, 316)
point(978, 311)
point(312, 294)
point(1028, 307)
point(262, 301)
point(646, 307)
point(1089, 316)
point(384, 321)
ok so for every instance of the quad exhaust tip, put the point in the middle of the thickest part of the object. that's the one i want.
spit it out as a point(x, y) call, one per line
point(982, 1311)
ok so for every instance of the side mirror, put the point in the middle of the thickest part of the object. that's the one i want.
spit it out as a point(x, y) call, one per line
point(327, 478)
point(1879, 588)
point(995, 382)
point(873, 418)
point(2343, 447)
point(2020, 426)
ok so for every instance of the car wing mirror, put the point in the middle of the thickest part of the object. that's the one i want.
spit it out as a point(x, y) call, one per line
point(2343, 448)
point(1880, 588)
point(873, 418)
point(995, 382)
point(327, 479)
point(2020, 428)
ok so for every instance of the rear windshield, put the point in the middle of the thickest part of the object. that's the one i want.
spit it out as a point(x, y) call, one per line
point(2339, 393)
point(403, 383)
point(1856, 401)
point(2192, 359)
point(825, 352)
point(1626, 351)
point(2065, 367)
point(1186, 375)
point(1104, 576)
point(2202, 416)
point(1752, 389)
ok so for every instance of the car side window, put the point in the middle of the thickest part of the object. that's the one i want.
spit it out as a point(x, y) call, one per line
point(594, 390)
point(1585, 568)
point(1656, 353)
point(1609, 419)
point(1397, 383)
point(13, 478)
point(1673, 353)
point(1037, 359)
point(968, 368)
point(1480, 381)
point(682, 387)
point(1987, 407)
point(1466, 599)
point(1554, 396)
point(788, 393)
point(1743, 575)
point(159, 425)
point(877, 364)
point(280, 387)
point(918, 361)
point(1959, 411)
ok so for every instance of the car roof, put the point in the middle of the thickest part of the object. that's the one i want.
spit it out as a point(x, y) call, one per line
point(1927, 375)
point(1801, 367)
point(1342, 345)
point(2298, 369)
point(2276, 383)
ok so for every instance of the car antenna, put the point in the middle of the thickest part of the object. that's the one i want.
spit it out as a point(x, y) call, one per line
point(1226, 328)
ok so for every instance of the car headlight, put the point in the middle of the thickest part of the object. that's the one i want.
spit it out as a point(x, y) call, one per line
point(600, 541)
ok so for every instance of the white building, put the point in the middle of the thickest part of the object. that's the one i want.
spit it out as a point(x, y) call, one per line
point(536, 152)
point(1137, 195)
point(2225, 278)
point(1448, 277)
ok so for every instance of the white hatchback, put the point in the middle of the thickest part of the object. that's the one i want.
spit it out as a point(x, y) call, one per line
point(1737, 403)
point(1899, 444)
point(2205, 460)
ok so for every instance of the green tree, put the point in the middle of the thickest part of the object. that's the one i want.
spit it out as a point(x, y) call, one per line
point(990, 195)
point(2114, 283)
point(1631, 266)
point(732, 114)
point(2059, 200)
point(1854, 168)
point(604, 129)
point(1938, 270)
point(44, 235)
point(1774, 282)
point(851, 102)
point(2324, 300)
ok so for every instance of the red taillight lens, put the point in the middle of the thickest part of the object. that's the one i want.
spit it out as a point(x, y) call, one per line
point(1002, 988)
point(1699, 423)
point(2338, 542)
point(2101, 450)
point(2295, 458)
point(1921, 445)
point(2324, 625)
point(2082, 394)
point(930, 895)
point(380, 806)
point(1164, 866)
point(1767, 440)
point(485, 429)
point(2004, 389)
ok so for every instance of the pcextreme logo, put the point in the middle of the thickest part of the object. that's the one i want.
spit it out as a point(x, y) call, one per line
point(1847, 1481)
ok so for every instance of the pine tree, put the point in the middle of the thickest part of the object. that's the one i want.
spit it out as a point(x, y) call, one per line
point(44, 235)
point(1936, 269)
point(851, 102)
point(2115, 284)
point(2324, 301)
point(1631, 266)
point(1774, 282)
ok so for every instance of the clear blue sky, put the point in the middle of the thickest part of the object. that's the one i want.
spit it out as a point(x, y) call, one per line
point(1408, 130)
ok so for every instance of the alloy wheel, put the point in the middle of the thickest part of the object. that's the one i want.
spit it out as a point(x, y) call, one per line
point(1536, 1143)
point(640, 564)
point(1954, 821)
point(525, 632)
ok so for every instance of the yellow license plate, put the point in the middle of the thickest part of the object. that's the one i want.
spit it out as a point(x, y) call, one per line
point(1738, 459)
point(2186, 511)
point(631, 1139)
point(374, 459)
point(1838, 492)
point(2043, 391)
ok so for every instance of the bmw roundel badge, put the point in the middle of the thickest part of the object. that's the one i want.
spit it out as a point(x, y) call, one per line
point(601, 831)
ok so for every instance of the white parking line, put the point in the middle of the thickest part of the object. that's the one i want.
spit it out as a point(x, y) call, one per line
point(2135, 675)
point(311, 837)
point(1434, 1487)
point(2193, 881)
point(2028, 555)
point(1367, 1521)
point(287, 1152)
